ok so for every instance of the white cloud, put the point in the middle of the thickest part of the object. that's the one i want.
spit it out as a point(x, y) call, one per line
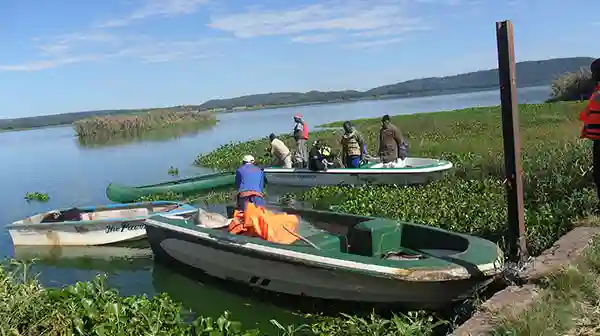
point(375, 43)
point(99, 46)
point(318, 38)
point(154, 8)
point(373, 17)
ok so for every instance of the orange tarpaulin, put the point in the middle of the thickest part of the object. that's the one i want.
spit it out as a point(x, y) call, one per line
point(258, 222)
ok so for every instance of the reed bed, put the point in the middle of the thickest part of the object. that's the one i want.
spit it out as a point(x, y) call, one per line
point(136, 124)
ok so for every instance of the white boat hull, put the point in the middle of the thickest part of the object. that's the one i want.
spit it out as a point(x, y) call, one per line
point(79, 234)
point(95, 226)
point(429, 170)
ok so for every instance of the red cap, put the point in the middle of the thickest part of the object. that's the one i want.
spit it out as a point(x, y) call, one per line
point(298, 116)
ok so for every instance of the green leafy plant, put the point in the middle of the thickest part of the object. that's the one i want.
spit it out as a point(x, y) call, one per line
point(92, 308)
point(168, 196)
point(173, 171)
point(37, 196)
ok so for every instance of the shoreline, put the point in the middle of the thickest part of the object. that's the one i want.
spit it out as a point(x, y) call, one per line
point(273, 107)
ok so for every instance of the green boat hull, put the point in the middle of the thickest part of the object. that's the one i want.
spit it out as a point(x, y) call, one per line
point(352, 258)
point(188, 186)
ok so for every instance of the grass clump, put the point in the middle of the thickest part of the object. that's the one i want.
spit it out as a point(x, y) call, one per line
point(134, 125)
point(569, 304)
point(37, 196)
point(573, 86)
point(91, 308)
point(471, 198)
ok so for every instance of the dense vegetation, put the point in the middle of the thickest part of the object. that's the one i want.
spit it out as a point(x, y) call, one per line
point(135, 125)
point(577, 85)
point(529, 73)
point(90, 308)
point(471, 199)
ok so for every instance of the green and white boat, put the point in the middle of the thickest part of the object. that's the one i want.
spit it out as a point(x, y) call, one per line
point(340, 257)
point(415, 171)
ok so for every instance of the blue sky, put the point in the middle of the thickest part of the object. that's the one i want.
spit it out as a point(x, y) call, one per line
point(72, 55)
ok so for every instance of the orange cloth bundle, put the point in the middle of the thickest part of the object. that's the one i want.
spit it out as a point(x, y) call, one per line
point(256, 221)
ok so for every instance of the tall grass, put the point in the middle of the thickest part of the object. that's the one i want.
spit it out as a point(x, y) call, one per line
point(577, 85)
point(136, 124)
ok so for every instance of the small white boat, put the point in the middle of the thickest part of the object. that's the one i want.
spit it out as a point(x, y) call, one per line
point(411, 171)
point(92, 225)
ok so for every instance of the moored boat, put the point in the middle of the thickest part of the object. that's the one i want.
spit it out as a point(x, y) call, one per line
point(92, 225)
point(187, 186)
point(414, 171)
point(340, 257)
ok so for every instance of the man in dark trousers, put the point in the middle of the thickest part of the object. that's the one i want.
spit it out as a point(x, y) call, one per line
point(591, 126)
point(391, 142)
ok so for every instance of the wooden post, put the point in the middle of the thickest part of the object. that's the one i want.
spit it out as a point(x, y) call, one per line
point(515, 239)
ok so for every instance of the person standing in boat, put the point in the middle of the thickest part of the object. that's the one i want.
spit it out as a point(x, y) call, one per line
point(250, 184)
point(353, 146)
point(393, 149)
point(280, 152)
point(301, 136)
point(591, 127)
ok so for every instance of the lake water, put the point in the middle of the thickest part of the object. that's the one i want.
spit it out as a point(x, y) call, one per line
point(51, 160)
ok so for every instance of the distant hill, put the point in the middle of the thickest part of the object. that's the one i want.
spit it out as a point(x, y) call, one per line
point(529, 73)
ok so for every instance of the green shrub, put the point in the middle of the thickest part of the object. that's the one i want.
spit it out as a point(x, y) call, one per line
point(573, 86)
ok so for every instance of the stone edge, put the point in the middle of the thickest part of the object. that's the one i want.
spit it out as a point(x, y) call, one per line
point(516, 299)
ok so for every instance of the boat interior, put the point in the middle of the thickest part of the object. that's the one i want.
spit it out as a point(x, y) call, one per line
point(372, 237)
point(98, 213)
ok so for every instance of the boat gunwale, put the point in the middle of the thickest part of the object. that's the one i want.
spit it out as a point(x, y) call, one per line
point(178, 181)
point(441, 166)
point(186, 210)
point(317, 258)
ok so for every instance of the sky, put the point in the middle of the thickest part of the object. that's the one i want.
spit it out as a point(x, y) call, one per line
point(70, 55)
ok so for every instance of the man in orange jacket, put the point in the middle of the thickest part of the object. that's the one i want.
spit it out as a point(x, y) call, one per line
point(591, 126)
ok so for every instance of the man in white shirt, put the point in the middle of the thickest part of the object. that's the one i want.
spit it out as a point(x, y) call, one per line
point(280, 152)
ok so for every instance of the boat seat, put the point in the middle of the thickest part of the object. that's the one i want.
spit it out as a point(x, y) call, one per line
point(375, 238)
point(325, 241)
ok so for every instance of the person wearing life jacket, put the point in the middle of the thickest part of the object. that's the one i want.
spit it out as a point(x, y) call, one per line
point(250, 184)
point(591, 126)
point(353, 146)
point(301, 136)
point(280, 152)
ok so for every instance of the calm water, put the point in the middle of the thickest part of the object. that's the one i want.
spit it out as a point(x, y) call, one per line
point(51, 160)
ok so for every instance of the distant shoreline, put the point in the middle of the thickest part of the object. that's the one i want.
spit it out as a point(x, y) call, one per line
point(383, 97)
point(272, 107)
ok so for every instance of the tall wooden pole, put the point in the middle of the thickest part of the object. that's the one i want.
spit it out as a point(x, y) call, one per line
point(515, 238)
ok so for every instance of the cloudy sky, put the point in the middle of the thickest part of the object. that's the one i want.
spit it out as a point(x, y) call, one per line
point(72, 55)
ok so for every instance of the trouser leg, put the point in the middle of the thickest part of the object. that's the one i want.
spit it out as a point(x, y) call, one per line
point(596, 166)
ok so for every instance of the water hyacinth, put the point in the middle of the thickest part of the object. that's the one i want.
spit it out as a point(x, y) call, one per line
point(138, 123)
point(471, 198)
